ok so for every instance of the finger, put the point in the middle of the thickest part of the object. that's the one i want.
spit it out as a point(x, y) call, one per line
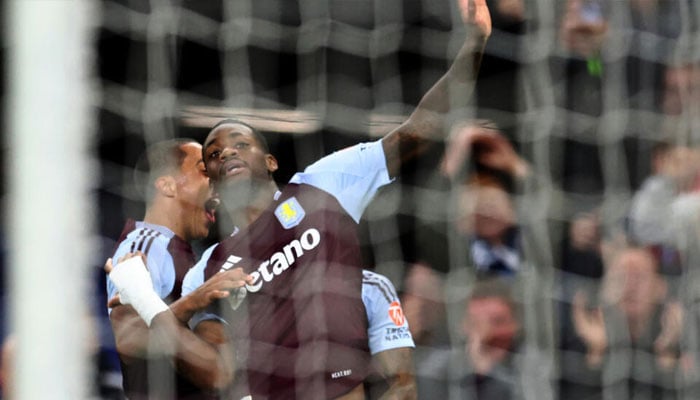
point(125, 257)
point(219, 294)
point(464, 9)
point(143, 257)
point(114, 302)
point(487, 124)
point(108, 266)
point(229, 284)
point(490, 138)
point(130, 255)
point(664, 342)
point(237, 274)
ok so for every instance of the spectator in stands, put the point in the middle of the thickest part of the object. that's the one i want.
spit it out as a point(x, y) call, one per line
point(681, 89)
point(663, 213)
point(491, 362)
point(487, 219)
point(582, 252)
point(584, 27)
point(488, 234)
point(628, 343)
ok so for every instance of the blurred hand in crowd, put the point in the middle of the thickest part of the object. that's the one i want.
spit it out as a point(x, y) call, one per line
point(482, 140)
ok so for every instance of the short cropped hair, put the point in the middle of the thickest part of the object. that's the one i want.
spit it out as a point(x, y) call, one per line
point(159, 159)
point(494, 288)
point(258, 136)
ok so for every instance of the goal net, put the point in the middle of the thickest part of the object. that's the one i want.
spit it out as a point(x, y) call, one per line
point(600, 97)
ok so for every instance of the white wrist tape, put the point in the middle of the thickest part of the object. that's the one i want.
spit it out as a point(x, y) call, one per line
point(136, 288)
point(148, 306)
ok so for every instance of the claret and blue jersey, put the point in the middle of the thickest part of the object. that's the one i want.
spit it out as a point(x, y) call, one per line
point(303, 322)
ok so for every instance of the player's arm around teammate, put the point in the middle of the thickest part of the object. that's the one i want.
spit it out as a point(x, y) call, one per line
point(207, 360)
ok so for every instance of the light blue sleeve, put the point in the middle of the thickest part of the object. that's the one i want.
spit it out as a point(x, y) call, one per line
point(194, 279)
point(195, 276)
point(160, 266)
point(388, 328)
point(352, 175)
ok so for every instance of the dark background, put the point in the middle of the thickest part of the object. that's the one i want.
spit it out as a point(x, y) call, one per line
point(304, 62)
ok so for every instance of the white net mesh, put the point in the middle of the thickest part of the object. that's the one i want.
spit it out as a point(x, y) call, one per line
point(587, 91)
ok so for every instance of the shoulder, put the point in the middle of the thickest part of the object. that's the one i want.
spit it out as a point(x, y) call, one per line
point(144, 239)
point(375, 285)
point(352, 175)
point(371, 276)
point(354, 161)
point(369, 154)
point(195, 276)
point(149, 241)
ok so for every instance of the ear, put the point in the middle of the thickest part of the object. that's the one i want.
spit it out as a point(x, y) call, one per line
point(271, 163)
point(166, 186)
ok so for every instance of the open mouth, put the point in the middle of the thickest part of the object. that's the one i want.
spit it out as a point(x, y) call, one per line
point(210, 208)
point(231, 167)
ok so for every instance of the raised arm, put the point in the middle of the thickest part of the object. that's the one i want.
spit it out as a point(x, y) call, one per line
point(426, 125)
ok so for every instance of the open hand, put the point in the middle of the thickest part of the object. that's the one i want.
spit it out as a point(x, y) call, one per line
point(219, 286)
point(490, 148)
point(108, 264)
point(476, 14)
point(590, 327)
point(667, 342)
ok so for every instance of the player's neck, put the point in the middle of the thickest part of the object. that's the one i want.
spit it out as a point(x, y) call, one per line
point(167, 217)
point(245, 206)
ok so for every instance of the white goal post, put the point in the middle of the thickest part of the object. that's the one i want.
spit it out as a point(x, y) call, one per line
point(50, 211)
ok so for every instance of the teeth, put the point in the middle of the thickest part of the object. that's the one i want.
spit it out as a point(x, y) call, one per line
point(211, 205)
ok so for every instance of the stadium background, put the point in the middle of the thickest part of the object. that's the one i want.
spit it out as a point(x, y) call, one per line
point(316, 76)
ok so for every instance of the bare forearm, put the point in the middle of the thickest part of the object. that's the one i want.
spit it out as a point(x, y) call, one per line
point(184, 308)
point(148, 327)
point(206, 359)
point(402, 387)
point(396, 365)
point(426, 125)
point(130, 332)
point(456, 86)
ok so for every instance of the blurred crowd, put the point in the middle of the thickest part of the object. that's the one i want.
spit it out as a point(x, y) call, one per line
point(568, 272)
point(498, 305)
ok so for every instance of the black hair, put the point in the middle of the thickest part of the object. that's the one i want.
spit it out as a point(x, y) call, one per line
point(258, 136)
point(160, 158)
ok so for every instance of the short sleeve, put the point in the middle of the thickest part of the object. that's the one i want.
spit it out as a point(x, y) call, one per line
point(352, 176)
point(388, 327)
point(194, 279)
point(160, 266)
point(195, 276)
